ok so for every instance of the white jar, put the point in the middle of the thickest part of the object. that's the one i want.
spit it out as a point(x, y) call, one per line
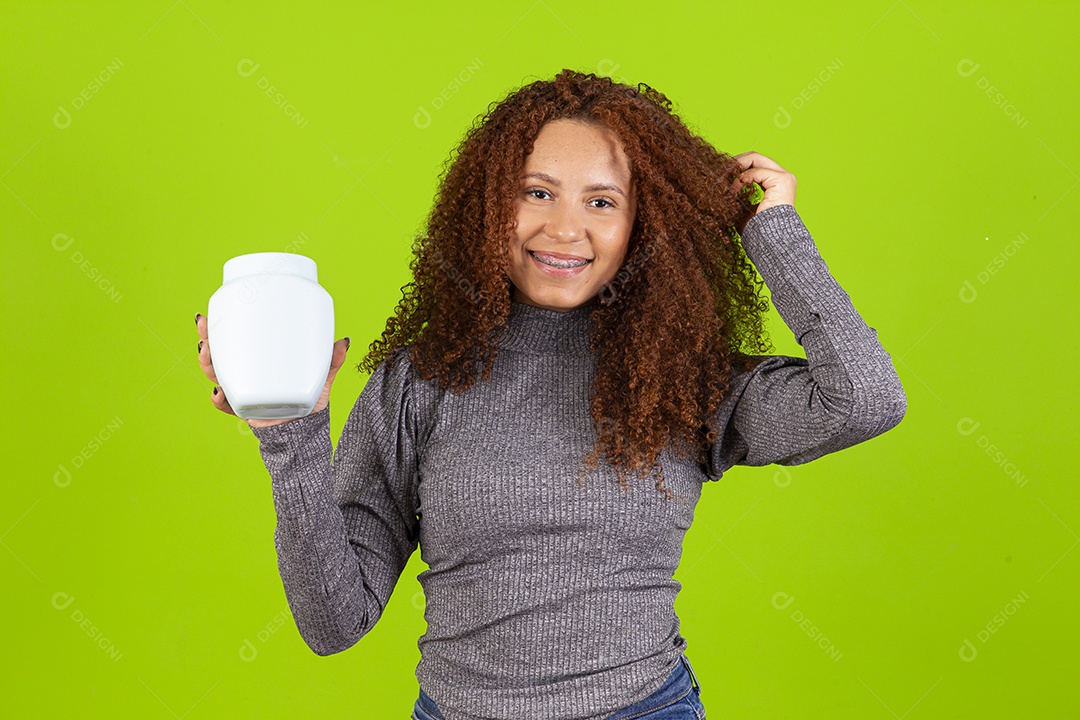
point(271, 335)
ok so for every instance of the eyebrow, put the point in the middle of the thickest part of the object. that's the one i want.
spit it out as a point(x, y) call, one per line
point(598, 186)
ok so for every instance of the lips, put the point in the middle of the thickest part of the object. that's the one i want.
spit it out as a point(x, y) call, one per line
point(560, 260)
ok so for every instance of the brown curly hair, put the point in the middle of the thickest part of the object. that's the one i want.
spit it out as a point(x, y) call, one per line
point(680, 316)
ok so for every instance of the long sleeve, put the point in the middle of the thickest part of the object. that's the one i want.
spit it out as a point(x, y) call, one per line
point(790, 410)
point(346, 529)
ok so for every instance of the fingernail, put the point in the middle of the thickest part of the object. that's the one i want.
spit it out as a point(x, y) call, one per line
point(346, 343)
point(200, 348)
point(197, 318)
point(215, 389)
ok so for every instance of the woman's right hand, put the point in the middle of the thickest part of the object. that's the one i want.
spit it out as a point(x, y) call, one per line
point(218, 396)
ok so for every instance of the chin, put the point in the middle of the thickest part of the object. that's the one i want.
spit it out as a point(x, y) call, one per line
point(559, 302)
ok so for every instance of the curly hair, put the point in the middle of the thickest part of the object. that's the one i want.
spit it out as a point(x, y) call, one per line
point(681, 315)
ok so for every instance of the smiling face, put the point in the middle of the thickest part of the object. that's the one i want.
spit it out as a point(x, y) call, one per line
point(574, 212)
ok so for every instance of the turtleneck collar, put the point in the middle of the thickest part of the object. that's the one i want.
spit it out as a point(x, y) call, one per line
point(538, 331)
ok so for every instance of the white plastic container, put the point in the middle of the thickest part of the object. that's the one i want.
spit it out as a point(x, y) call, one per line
point(271, 335)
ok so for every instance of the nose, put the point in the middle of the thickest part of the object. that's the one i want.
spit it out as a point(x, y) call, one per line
point(565, 223)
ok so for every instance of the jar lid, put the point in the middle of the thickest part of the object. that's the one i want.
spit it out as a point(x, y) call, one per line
point(270, 263)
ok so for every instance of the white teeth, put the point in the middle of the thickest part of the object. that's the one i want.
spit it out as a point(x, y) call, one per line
point(559, 263)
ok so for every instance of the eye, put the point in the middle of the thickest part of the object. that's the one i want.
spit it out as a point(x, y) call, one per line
point(607, 203)
point(532, 192)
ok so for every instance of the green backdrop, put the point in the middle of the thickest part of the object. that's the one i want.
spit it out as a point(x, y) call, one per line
point(928, 573)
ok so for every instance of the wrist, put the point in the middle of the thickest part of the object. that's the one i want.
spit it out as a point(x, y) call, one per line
point(766, 205)
point(268, 423)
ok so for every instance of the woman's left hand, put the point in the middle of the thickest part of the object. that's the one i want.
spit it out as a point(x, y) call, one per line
point(778, 183)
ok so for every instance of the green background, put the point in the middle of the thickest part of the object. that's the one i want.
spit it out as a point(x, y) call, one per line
point(139, 150)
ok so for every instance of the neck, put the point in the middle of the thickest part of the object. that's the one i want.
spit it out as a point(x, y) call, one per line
point(541, 331)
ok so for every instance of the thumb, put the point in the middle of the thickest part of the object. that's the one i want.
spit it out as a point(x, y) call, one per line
point(341, 347)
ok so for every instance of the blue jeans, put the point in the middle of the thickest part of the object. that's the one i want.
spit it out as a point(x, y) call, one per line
point(679, 698)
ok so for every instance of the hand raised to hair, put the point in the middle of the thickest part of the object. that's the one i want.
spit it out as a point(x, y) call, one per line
point(776, 182)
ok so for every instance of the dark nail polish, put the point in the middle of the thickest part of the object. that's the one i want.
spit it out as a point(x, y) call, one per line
point(200, 348)
point(347, 341)
point(215, 390)
point(197, 318)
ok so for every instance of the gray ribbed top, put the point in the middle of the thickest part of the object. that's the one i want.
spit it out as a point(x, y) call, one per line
point(546, 599)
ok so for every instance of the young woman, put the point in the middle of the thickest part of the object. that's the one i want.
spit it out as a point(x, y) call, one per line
point(576, 355)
